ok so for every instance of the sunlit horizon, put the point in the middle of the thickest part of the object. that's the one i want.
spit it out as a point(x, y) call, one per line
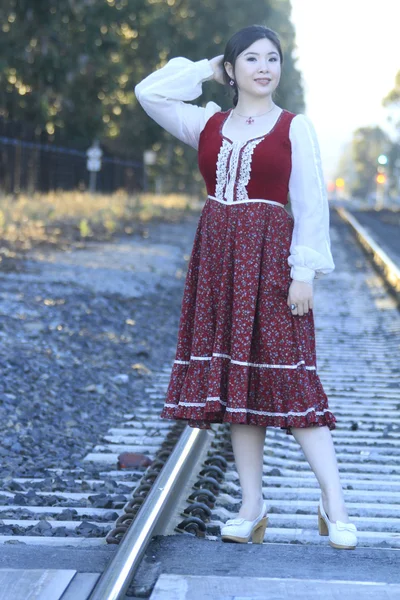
point(348, 53)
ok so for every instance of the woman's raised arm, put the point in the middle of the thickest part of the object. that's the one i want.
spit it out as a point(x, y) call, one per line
point(164, 95)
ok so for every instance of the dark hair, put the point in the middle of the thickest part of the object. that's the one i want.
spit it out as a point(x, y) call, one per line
point(241, 40)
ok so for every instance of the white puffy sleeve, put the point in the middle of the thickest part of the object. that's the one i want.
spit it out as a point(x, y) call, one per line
point(310, 249)
point(163, 93)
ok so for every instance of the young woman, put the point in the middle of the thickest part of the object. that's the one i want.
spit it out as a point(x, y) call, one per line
point(246, 341)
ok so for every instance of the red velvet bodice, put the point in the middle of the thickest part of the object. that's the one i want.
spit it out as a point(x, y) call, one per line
point(264, 167)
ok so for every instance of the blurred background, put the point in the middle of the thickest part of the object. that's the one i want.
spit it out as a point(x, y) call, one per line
point(70, 124)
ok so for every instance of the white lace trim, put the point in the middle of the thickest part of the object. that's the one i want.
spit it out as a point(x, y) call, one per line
point(222, 169)
point(230, 176)
point(250, 410)
point(245, 169)
point(246, 364)
point(227, 178)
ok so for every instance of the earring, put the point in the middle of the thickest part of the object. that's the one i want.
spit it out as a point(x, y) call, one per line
point(231, 82)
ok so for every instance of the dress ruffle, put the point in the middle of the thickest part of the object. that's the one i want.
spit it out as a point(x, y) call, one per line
point(218, 392)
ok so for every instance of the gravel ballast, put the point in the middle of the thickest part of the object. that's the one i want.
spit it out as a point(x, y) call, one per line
point(80, 334)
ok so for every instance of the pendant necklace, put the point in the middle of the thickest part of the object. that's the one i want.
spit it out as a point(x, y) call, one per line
point(250, 120)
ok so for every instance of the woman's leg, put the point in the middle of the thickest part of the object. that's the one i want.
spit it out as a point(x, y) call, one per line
point(248, 450)
point(317, 445)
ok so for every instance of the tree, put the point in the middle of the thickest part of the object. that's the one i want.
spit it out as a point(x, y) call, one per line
point(392, 103)
point(69, 68)
point(368, 143)
point(62, 66)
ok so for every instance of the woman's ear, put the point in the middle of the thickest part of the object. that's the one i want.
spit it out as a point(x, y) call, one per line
point(228, 69)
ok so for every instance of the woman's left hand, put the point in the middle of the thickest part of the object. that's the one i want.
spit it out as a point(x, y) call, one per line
point(217, 65)
point(300, 293)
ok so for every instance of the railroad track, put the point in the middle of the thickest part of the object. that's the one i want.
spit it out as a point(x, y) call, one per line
point(383, 226)
point(357, 328)
point(36, 511)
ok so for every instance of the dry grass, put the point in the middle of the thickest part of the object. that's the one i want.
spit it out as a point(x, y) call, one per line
point(62, 218)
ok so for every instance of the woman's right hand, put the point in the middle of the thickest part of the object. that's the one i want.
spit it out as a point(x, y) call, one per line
point(218, 67)
point(301, 294)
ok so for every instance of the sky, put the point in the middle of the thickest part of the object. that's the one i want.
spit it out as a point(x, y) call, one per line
point(349, 53)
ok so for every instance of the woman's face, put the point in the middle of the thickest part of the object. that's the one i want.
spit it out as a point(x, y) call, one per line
point(258, 62)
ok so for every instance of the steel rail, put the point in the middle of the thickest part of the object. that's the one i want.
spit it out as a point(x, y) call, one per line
point(160, 506)
point(385, 265)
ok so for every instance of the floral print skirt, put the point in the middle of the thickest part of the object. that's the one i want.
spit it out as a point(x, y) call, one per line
point(242, 357)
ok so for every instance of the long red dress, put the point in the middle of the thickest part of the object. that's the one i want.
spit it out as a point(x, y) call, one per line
point(242, 357)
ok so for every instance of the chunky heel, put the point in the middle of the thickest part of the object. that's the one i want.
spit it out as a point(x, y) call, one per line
point(240, 530)
point(259, 532)
point(322, 527)
point(341, 535)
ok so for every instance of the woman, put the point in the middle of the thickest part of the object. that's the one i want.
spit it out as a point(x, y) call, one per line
point(246, 342)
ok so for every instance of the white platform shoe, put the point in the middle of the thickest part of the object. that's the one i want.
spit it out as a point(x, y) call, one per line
point(341, 535)
point(240, 530)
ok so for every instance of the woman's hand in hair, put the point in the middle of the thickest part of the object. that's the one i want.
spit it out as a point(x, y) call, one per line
point(300, 293)
point(218, 67)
